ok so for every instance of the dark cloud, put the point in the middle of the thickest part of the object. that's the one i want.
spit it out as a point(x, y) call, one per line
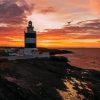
point(11, 14)
point(93, 24)
point(92, 27)
point(14, 13)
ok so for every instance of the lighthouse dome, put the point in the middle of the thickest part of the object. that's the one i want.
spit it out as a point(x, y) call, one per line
point(30, 23)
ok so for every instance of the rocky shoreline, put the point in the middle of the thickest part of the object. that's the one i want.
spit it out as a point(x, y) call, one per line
point(47, 79)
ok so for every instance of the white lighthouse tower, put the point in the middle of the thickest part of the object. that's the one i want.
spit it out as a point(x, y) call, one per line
point(30, 36)
point(30, 40)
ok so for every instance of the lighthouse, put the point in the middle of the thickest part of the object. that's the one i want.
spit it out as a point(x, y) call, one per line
point(30, 51)
point(30, 36)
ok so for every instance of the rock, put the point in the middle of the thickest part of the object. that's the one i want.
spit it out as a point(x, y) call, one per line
point(11, 91)
point(49, 79)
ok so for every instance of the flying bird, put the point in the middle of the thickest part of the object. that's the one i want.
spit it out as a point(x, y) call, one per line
point(69, 23)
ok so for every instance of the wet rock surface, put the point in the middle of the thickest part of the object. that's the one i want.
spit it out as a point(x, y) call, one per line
point(51, 79)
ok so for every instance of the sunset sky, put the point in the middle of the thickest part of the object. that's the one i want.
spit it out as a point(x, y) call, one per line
point(50, 19)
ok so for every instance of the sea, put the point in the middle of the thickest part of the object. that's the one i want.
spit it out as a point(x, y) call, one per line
point(87, 58)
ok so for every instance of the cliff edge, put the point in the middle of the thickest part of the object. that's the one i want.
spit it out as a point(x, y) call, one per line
point(51, 79)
